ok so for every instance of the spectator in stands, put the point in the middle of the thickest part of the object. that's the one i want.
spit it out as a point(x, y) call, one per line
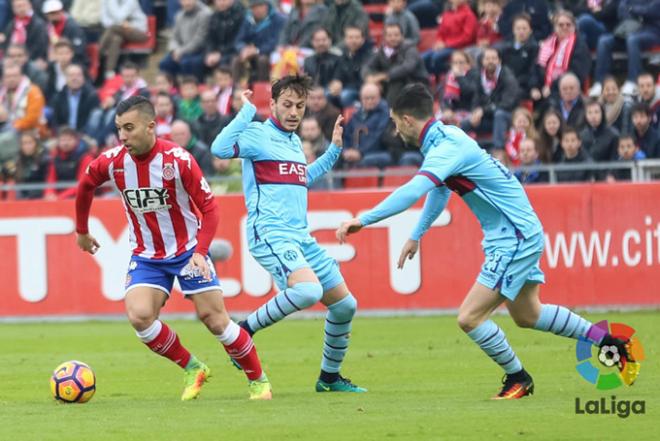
point(77, 104)
point(345, 87)
point(21, 108)
point(573, 153)
point(639, 28)
point(496, 95)
point(70, 158)
point(520, 53)
point(596, 18)
point(324, 183)
point(28, 29)
point(237, 105)
point(17, 54)
point(550, 136)
point(562, 52)
point(598, 139)
point(124, 22)
point(457, 92)
point(529, 157)
point(627, 150)
point(522, 128)
point(397, 13)
point(426, 12)
point(190, 106)
point(322, 66)
point(210, 123)
point(362, 147)
point(164, 107)
point(224, 88)
point(343, 13)
point(319, 107)
point(310, 131)
point(88, 15)
point(396, 63)
point(305, 17)
point(182, 136)
point(649, 94)
point(165, 82)
point(646, 137)
point(536, 9)
point(570, 103)
point(62, 25)
point(255, 42)
point(32, 164)
point(186, 46)
point(227, 19)
point(617, 109)
point(457, 30)
point(403, 154)
point(63, 56)
point(487, 31)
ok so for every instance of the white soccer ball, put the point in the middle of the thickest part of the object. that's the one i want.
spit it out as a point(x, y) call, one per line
point(609, 355)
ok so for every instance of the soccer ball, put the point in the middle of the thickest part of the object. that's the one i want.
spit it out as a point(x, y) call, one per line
point(609, 355)
point(73, 382)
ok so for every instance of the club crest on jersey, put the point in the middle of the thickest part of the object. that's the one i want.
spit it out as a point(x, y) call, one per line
point(145, 200)
point(168, 172)
point(290, 255)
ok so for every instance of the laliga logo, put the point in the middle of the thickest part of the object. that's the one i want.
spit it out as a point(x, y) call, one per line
point(624, 372)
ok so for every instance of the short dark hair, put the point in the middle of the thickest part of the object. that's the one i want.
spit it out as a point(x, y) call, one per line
point(569, 129)
point(640, 108)
point(139, 103)
point(522, 16)
point(223, 69)
point(130, 66)
point(352, 26)
point(321, 29)
point(67, 130)
point(629, 136)
point(188, 79)
point(63, 42)
point(299, 84)
point(592, 101)
point(644, 74)
point(414, 100)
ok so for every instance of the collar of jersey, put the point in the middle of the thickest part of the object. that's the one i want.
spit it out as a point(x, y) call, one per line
point(149, 155)
point(279, 126)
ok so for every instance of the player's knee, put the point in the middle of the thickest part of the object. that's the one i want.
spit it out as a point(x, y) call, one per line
point(215, 320)
point(524, 321)
point(467, 322)
point(141, 318)
point(307, 293)
point(345, 309)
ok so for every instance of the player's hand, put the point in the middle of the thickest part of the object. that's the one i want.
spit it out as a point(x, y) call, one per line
point(88, 243)
point(338, 132)
point(245, 96)
point(199, 263)
point(349, 227)
point(408, 251)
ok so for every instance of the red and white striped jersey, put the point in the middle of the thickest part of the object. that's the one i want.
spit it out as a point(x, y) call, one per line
point(163, 194)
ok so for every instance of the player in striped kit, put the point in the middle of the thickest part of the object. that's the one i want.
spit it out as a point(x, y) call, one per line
point(162, 190)
point(275, 178)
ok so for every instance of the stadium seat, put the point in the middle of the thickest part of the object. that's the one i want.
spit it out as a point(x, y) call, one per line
point(356, 182)
point(398, 175)
point(145, 47)
point(376, 32)
point(376, 12)
point(92, 52)
point(426, 39)
point(261, 97)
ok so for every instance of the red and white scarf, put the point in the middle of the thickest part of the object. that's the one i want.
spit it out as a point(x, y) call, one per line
point(452, 88)
point(55, 30)
point(18, 105)
point(594, 4)
point(512, 145)
point(555, 56)
point(490, 82)
point(19, 36)
point(127, 92)
point(164, 127)
point(224, 100)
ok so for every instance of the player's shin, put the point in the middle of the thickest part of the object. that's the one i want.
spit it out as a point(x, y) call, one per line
point(338, 322)
point(164, 341)
point(493, 342)
point(300, 296)
point(562, 321)
point(240, 347)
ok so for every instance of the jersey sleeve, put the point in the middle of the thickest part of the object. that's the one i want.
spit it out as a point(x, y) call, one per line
point(240, 138)
point(436, 201)
point(399, 200)
point(95, 174)
point(200, 192)
point(442, 162)
point(323, 164)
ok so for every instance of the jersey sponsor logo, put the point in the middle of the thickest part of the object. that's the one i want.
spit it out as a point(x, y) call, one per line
point(145, 200)
point(132, 265)
point(168, 172)
point(280, 172)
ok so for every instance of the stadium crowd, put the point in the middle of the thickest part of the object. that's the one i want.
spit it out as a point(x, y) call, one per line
point(517, 75)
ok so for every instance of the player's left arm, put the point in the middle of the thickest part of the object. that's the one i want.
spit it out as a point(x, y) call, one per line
point(399, 200)
point(202, 196)
point(326, 161)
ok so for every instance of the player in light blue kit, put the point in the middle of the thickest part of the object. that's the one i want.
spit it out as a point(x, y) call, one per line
point(513, 236)
point(275, 179)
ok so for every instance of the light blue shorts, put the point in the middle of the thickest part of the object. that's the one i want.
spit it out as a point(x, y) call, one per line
point(160, 274)
point(511, 264)
point(281, 257)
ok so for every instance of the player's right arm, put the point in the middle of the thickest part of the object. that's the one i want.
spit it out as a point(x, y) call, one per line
point(95, 175)
point(238, 139)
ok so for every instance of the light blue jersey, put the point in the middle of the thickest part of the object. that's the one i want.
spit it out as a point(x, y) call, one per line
point(513, 240)
point(275, 173)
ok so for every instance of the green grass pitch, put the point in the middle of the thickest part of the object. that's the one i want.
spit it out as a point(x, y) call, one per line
point(426, 380)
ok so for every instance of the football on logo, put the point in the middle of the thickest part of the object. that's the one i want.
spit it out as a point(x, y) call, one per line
point(616, 369)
